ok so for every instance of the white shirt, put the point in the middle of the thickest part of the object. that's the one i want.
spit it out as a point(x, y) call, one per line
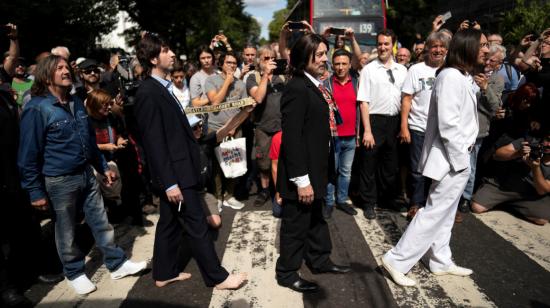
point(182, 95)
point(376, 88)
point(419, 83)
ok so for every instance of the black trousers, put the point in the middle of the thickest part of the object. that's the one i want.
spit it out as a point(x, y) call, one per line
point(182, 233)
point(304, 235)
point(379, 170)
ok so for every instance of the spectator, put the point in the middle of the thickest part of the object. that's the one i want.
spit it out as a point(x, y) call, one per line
point(249, 62)
point(343, 85)
point(109, 140)
point(489, 92)
point(90, 75)
point(403, 57)
point(274, 150)
point(180, 88)
point(525, 187)
point(494, 39)
point(499, 65)
point(380, 96)
point(10, 58)
point(418, 50)
point(205, 58)
point(364, 59)
point(61, 51)
point(537, 57)
point(20, 83)
point(415, 103)
point(267, 90)
point(221, 88)
point(56, 165)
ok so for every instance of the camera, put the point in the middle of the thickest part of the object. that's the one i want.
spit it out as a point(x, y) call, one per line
point(337, 31)
point(295, 25)
point(251, 67)
point(281, 67)
point(537, 149)
point(128, 86)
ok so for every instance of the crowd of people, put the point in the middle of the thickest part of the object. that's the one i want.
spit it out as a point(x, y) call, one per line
point(460, 124)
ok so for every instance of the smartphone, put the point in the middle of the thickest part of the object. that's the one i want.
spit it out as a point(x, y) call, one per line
point(446, 16)
point(337, 31)
point(295, 25)
point(281, 67)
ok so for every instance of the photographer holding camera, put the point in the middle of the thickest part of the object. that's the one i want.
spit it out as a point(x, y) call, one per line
point(524, 183)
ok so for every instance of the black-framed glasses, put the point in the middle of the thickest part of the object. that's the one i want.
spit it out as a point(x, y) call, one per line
point(390, 74)
point(92, 70)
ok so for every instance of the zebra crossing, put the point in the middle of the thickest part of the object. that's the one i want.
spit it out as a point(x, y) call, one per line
point(510, 258)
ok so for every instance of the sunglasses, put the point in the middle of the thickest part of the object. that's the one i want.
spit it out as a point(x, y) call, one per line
point(269, 58)
point(91, 70)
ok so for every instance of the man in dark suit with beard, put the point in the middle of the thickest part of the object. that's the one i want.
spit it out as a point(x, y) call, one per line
point(309, 117)
point(173, 156)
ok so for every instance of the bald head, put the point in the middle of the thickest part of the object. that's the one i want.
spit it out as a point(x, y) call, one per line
point(403, 56)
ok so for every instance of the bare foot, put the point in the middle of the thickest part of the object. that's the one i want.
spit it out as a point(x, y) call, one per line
point(182, 276)
point(233, 282)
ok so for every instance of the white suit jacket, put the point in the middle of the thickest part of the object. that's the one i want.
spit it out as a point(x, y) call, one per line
point(452, 125)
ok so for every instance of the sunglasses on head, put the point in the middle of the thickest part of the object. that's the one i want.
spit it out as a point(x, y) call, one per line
point(88, 71)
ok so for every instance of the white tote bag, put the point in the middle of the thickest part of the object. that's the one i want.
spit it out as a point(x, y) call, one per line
point(231, 155)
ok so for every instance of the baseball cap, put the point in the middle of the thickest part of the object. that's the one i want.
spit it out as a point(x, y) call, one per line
point(88, 63)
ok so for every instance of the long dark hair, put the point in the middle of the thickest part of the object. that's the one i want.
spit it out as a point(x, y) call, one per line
point(148, 48)
point(464, 51)
point(303, 51)
point(44, 74)
point(205, 49)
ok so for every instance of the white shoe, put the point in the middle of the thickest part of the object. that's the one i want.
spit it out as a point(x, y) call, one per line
point(220, 207)
point(233, 203)
point(82, 285)
point(454, 270)
point(397, 276)
point(128, 268)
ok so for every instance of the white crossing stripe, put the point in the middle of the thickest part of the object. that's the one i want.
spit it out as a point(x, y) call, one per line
point(384, 232)
point(532, 240)
point(252, 248)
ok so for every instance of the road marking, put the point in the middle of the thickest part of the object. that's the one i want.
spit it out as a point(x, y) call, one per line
point(252, 248)
point(431, 291)
point(532, 240)
point(110, 293)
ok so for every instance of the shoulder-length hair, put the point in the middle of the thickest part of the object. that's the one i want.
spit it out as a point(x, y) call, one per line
point(95, 101)
point(303, 51)
point(44, 74)
point(463, 51)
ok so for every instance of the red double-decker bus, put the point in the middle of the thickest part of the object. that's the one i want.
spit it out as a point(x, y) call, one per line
point(365, 17)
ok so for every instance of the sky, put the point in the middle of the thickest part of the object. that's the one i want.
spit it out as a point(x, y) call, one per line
point(263, 10)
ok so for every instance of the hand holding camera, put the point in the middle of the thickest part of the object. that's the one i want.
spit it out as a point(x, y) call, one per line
point(9, 30)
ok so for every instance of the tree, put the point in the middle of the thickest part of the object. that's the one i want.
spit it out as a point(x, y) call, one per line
point(405, 24)
point(43, 25)
point(525, 19)
point(189, 24)
point(276, 24)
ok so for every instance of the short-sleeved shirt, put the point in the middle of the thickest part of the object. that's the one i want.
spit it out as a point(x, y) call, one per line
point(380, 89)
point(419, 83)
point(196, 84)
point(235, 92)
point(275, 146)
point(267, 115)
point(21, 88)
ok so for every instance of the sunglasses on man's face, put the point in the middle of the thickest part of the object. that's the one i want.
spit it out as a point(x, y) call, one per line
point(91, 70)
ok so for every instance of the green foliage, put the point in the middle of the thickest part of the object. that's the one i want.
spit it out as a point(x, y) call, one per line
point(276, 24)
point(46, 24)
point(524, 19)
point(407, 18)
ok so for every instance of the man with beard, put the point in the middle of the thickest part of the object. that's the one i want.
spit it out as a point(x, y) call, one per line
point(308, 124)
point(417, 91)
point(451, 132)
point(90, 75)
point(20, 83)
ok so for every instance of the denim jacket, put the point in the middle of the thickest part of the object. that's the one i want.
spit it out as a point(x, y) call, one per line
point(55, 141)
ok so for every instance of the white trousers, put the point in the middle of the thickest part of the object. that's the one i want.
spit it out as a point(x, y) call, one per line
point(430, 230)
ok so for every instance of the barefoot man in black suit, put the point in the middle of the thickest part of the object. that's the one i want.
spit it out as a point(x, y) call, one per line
point(172, 153)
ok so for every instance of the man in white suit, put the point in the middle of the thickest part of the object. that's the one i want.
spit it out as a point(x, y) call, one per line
point(451, 132)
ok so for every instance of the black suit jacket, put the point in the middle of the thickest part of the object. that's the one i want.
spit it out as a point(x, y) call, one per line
point(171, 150)
point(305, 141)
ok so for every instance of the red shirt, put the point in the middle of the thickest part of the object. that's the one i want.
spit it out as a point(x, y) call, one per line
point(346, 99)
point(275, 146)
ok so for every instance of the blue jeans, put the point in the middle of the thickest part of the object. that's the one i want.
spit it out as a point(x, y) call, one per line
point(70, 194)
point(469, 190)
point(418, 182)
point(344, 151)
